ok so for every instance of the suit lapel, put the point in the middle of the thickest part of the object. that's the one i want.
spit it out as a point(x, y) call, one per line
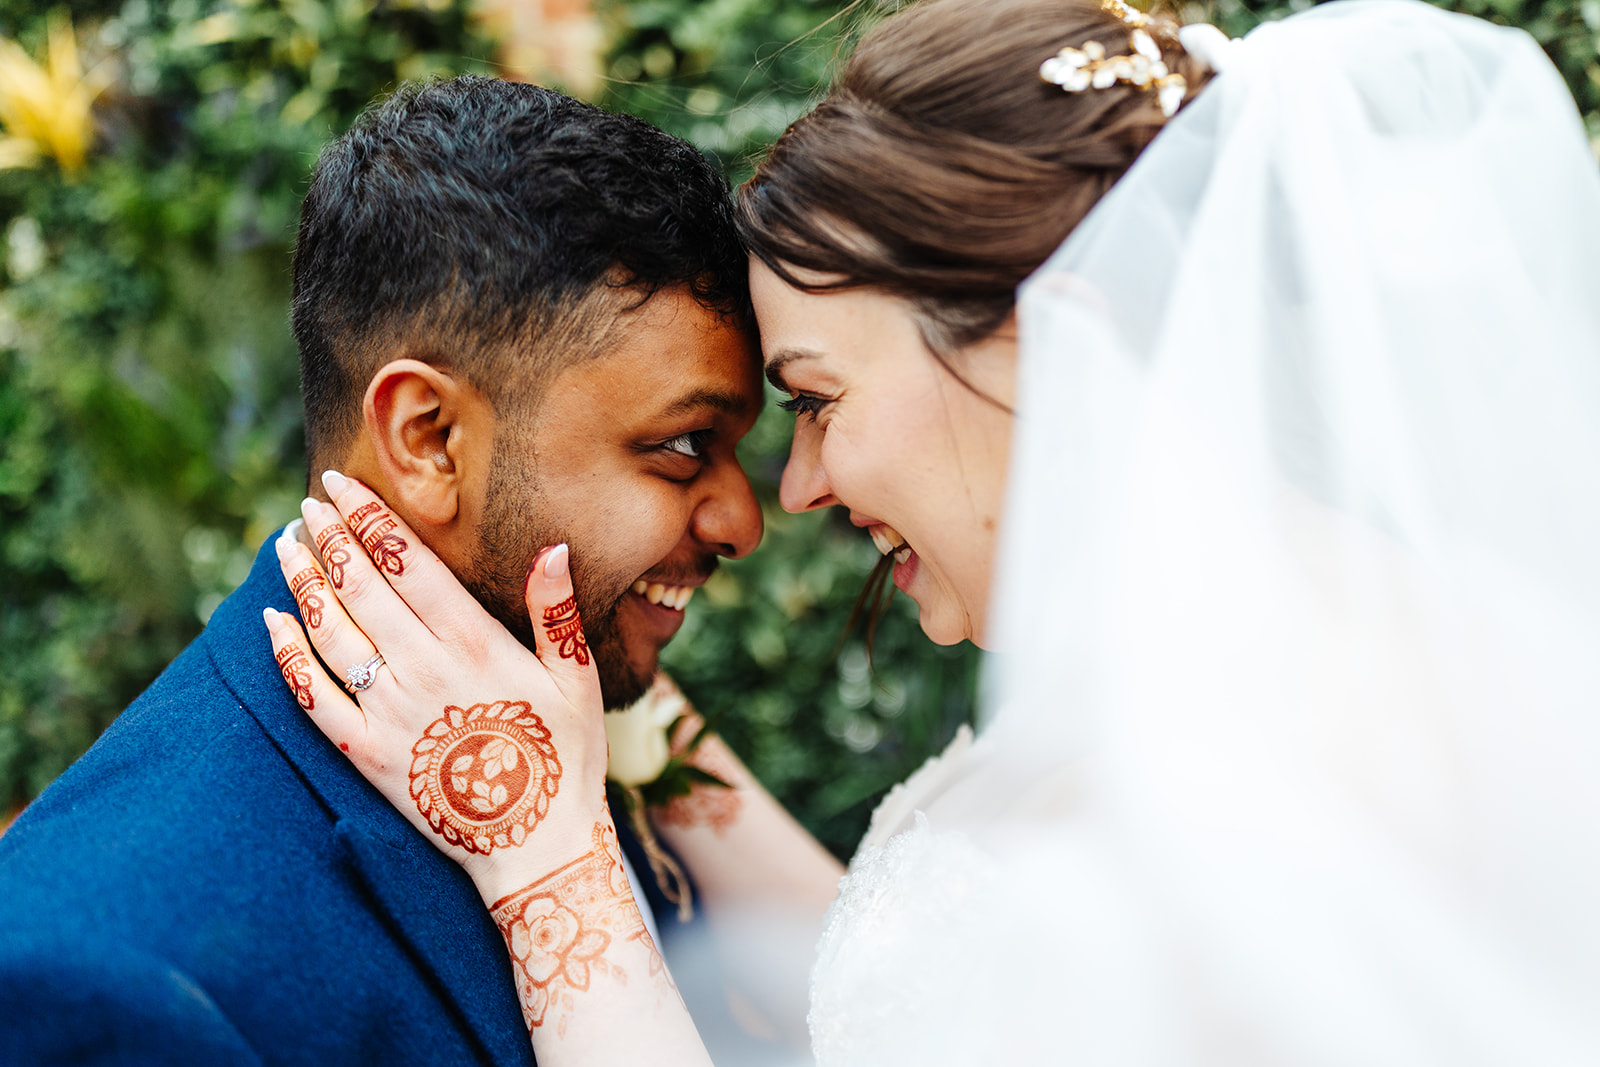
point(434, 907)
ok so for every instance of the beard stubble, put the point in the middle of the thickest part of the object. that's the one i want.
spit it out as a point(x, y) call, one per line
point(507, 540)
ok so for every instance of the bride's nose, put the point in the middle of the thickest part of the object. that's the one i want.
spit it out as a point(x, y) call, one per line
point(805, 483)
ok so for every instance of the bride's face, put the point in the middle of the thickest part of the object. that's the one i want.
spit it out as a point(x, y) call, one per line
point(883, 429)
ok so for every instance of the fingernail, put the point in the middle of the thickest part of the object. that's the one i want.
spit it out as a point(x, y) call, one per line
point(284, 545)
point(555, 564)
point(270, 617)
point(335, 483)
point(308, 508)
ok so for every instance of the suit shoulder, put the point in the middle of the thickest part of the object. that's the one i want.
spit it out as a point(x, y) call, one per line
point(123, 1007)
point(185, 790)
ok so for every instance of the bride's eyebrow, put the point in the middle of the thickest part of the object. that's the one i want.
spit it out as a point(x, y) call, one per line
point(775, 365)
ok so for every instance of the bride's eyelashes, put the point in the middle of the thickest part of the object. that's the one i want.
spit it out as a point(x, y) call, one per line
point(804, 404)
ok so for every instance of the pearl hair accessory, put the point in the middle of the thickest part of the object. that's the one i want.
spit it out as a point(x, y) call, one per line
point(1078, 69)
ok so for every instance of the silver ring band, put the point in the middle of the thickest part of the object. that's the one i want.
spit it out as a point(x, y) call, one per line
point(362, 675)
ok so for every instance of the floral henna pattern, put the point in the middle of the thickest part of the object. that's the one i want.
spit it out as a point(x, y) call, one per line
point(559, 928)
point(716, 806)
point(333, 545)
point(483, 776)
point(305, 586)
point(373, 525)
point(565, 631)
point(296, 668)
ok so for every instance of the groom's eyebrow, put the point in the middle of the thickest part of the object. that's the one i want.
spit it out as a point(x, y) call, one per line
point(726, 401)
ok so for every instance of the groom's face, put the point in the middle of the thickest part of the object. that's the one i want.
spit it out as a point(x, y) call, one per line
point(628, 458)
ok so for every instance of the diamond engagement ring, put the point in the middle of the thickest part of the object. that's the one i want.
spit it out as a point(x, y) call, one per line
point(362, 675)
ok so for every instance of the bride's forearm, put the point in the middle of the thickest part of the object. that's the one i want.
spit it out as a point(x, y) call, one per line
point(741, 845)
point(764, 882)
point(593, 986)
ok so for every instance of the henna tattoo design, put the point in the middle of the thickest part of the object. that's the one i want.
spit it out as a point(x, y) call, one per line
point(565, 630)
point(559, 928)
point(483, 776)
point(296, 668)
point(305, 586)
point(716, 806)
point(372, 525)
point(333, 545)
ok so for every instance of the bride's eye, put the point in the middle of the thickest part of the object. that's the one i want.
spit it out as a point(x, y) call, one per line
point(803, 404)
point(688, 444)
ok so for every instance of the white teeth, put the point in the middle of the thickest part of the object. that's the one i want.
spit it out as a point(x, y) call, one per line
point(887, 538)
point(903, 555)
point(668, 596)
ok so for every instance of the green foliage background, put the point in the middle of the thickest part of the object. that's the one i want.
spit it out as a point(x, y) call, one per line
point(149, 410)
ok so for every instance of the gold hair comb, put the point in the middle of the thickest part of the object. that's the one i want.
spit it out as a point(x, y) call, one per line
point(1077, 69)
point(1126, 12)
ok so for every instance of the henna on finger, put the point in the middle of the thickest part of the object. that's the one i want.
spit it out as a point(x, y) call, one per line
point(333, 545)
point(296, 668)
point(559, 928)
point(374, 525)
point(305, 586)
point(565, 630)
point(484, 776)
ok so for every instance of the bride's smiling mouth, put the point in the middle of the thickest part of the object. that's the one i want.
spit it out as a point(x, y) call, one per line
point(892, 542)
point(889, 542)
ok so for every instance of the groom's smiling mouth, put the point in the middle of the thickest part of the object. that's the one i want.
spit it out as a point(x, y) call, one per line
point(667, 596)
point(658, 600)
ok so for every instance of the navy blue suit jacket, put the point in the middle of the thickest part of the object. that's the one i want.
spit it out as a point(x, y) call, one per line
point(213, 883)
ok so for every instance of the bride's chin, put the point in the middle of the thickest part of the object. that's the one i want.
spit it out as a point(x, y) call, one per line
point(944, 624)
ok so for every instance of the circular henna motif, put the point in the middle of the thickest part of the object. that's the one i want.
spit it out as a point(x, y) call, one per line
point(483, 776)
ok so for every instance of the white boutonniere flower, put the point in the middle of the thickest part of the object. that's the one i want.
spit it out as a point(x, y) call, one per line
point(644, 771)
point(638, 736)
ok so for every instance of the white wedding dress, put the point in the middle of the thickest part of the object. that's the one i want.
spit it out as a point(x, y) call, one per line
point(1293, 755)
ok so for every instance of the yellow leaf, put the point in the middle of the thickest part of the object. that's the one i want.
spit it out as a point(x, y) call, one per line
point(48, 110)
point(18, 152)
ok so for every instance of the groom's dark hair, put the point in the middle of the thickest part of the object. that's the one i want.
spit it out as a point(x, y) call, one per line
point(495, 229)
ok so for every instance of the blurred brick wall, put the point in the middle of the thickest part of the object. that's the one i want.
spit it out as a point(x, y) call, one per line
point(548, 40)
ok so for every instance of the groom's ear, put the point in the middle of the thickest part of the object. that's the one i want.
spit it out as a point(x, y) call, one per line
point(432, 434)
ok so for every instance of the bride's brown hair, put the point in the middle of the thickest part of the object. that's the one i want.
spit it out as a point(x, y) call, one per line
point(941, 169)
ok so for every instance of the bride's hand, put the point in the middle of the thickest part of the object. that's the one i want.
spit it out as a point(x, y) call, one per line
point(496, 755)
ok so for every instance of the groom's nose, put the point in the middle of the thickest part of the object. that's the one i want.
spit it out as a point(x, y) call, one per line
point(728, 517)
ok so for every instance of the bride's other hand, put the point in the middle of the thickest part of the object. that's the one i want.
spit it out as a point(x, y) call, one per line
point(496, 755)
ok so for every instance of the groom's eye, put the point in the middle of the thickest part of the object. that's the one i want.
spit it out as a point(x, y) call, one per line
point(689, 444)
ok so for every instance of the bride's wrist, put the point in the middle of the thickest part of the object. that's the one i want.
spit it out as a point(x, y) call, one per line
point(505, 872)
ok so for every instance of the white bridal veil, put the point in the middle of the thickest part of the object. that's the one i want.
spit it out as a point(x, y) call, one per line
point(1296, 755)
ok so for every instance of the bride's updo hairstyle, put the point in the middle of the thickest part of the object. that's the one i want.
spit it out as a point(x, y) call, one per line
point(941, 169)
